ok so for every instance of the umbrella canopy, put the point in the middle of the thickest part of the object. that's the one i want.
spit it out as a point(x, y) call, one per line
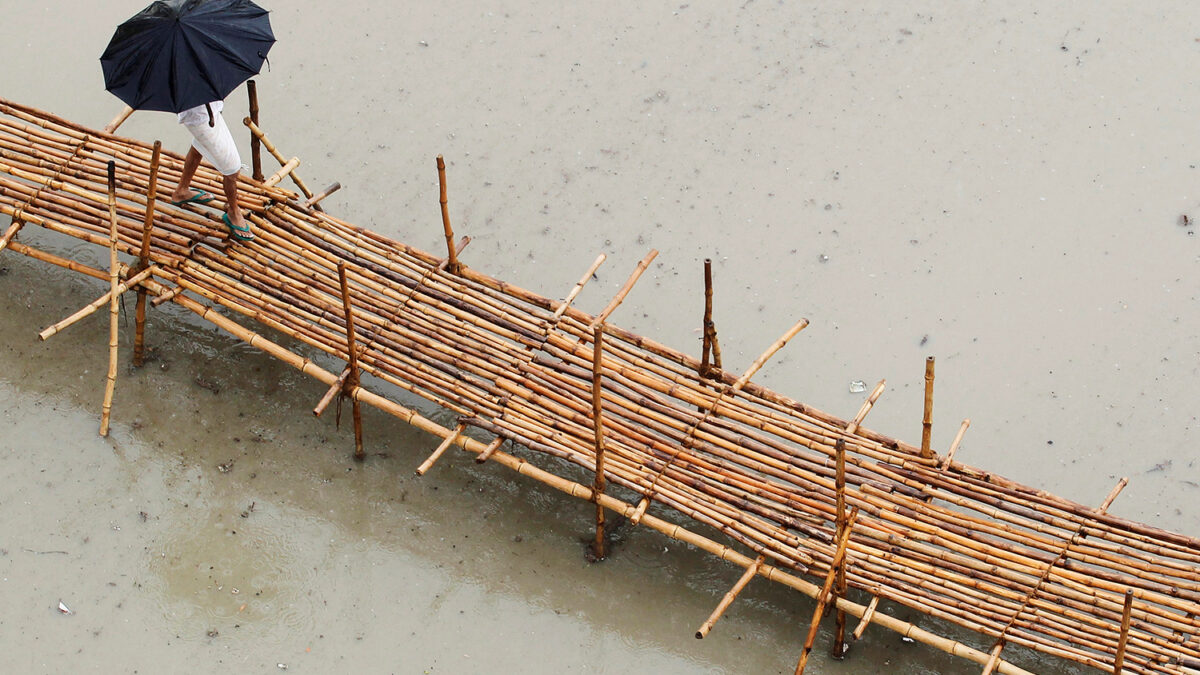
point(178, 54)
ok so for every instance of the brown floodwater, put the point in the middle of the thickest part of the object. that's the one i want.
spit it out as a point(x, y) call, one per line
point(999, 185)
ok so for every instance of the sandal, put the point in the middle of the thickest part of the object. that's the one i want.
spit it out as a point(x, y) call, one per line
point(239, 233)
point(198, 197)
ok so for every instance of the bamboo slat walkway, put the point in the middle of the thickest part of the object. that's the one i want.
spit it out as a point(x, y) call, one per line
point(787, 492)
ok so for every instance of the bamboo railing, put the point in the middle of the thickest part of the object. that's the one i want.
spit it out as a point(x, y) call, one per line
point(784, 491)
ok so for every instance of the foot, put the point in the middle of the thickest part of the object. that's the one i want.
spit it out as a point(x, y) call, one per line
point(238, 228)
point(184, 195)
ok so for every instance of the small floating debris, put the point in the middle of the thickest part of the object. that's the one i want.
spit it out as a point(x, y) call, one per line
point(858, 387)
point(62, 608)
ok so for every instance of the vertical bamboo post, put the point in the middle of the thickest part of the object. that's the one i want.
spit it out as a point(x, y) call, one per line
point(139, 339)
point(111, 382)
point(352, 351)
point(710, 328)
point(598, 425)
point(839, 586)
point(255, 144)
point(454, 267)
point(927, 420)
point(1126, 615)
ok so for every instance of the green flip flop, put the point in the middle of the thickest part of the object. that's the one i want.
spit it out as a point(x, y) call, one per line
point(239, 233)
point(198, 197)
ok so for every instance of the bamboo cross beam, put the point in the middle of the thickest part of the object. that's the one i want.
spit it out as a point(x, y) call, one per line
point(336, 388)
point(994, 658)
point(962, 430)
point(729, 597)
point(96, 304)
point(489, 450)
point(866, 618)
point(110, 384)
point(927, 420)
point(578, 286)
point(1126, 615)
point(454, 267)
point(598, 428)
point(166, 296)
point(255, 143)
point(823, 596)
point(352, 354)
point(620, 296)
point(117, 121)
point(284, 170)
point(139, 339)
point(38, 254)
point(11, 232)
point(441, 448)
point(288, 168)
point(852, 428)
point(314, 200)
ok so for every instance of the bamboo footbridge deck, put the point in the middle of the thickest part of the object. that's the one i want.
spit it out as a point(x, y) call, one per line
point(822, 505)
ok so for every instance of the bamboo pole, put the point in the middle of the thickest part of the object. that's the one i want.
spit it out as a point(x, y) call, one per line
point(962, 430)
point(762, 359)
point(111, 379)
point(1126, 615)
point(255, 143)
point(338, 387)
point(823, 596)
point(454, 267)
point(284, 170)
point(441, 448)
point(866, 618)
point(11, 232)
point(927, 419)
point(866, 407)
point(117, 121)
point(839, 586)
point(72, 265)
point(994, 659)
point(489, 450)
point(139, 339)
point(711, 346)
point(598, 547)
point(578, 287)
point(314, 201)
point(352, 356)
point(729, 597)
point(620, 296)
point(96, 304)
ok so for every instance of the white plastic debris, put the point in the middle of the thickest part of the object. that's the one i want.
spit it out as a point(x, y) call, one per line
point(858, 387)
point(64, 609)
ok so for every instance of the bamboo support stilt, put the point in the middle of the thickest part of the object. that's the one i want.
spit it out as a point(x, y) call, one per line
point(927, 419)
point(578, 287)
point(111, 379)
point(139, 337)
point(454, 267)
point(709, 328)
point(598, 547)
point(839, 586)
point(255, 143)
point(352, 355)
point(729, 597)
point(441, 448)
point(962, 430)
point(866, 407)
point(1126, 616)
point(288, 169)
point(762, 359)
point(823, 596)
point(117, 121)
point(620, 296)
point(96, 304)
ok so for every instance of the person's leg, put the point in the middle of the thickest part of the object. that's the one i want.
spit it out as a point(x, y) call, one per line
point(229, 183)
point(190, 164)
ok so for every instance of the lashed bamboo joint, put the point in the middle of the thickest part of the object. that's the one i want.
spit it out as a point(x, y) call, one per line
point(1015, 565)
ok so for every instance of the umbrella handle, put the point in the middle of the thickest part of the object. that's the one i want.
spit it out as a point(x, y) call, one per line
point(211, 122)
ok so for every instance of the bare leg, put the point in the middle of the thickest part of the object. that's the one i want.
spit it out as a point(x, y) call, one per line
point(190, 164)
point(229, 183)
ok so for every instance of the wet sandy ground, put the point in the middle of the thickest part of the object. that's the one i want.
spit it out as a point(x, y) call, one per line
point(999, 186)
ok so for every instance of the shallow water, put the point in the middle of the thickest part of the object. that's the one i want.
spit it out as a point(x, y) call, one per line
point(1000, 187)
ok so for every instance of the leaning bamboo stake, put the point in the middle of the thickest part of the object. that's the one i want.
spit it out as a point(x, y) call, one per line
point(620, 296)
point(352, 356)
point(962, 430)
point(729, 597)
point(441, 448)
point(994, 659)
point(1126, 615)
point(762, 359)
point(111, 380)
point(598, 547)
point(139, 337)
point(489, 450)
point(284, 170)
point(255, 143)
point(314, 201)
point(96, 304)
point(287, 170)
point(454, 267)
point(338, 387)
point(866, 407)
point(823, 596)
point(117, 121)
point(578, 287)
point(927, 419)
point(866, 618)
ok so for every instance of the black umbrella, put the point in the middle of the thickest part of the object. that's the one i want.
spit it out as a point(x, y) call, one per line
point(178, 54)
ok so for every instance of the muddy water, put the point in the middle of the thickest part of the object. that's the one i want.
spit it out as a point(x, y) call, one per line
point(1000, 186)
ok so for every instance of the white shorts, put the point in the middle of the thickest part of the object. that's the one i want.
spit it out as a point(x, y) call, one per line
point(216, 144)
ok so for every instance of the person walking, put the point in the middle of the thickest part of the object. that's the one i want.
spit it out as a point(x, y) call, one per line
point(211, 140)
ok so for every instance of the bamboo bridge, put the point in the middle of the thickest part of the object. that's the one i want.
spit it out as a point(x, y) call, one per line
point(793, 495)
